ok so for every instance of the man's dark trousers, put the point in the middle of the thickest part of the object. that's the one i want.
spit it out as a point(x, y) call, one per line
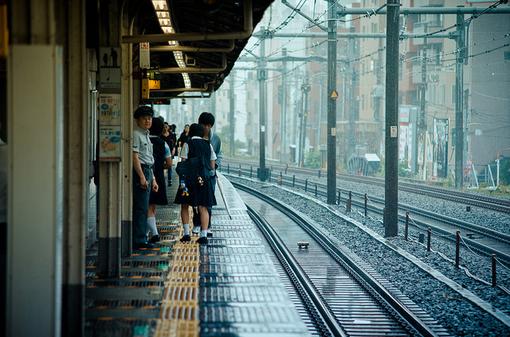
point(141, 205)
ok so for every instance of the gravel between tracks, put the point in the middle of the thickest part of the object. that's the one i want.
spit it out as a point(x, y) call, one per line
point(459, 316)
point(497, 221)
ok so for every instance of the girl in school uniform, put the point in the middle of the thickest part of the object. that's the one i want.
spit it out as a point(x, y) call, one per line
point(197, 192)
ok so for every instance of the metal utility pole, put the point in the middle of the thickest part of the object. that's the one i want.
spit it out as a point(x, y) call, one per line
point(391, 129)
point(261, 77)
point(420, 135)
point(459, 103)
point(231, 117)
point(332, 97)
point(351, 138)
point(305, 88)
point(283, 116)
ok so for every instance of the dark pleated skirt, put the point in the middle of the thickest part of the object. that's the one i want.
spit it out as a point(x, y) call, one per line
point(198, 195)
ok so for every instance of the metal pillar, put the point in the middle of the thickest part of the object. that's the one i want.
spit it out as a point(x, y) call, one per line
point(459, 103)
point(76, 152)
point(110, 173)
point(283, 116)
point(332, 96)
point(261, 77)
point(305, 88)
point(127, 101)
point(420, 134)
point(351, 138)
point(231, 117)
point(391, 130)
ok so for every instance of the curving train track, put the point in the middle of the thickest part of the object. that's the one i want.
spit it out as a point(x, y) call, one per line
point(471, 199)
point(342, 295)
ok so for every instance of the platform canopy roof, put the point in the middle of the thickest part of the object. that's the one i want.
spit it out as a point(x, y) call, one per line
point(194, 43)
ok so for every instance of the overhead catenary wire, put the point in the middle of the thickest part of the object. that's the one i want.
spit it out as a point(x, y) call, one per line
point(466, 21)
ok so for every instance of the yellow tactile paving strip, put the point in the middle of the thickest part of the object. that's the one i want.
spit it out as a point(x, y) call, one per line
point(179, 306)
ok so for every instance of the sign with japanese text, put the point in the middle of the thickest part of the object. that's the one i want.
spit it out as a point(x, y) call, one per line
point(109, 143)
point(109, 109)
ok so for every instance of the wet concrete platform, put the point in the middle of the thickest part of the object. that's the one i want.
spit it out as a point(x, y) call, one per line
point(241, 293)
point(228, 288)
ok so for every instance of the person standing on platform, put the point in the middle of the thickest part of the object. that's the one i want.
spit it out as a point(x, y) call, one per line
point(197, 190)
point(183, 138)
point(206, 119)
point(143, 181)
point(169, 138)
point(173, 127)
point(162, 161)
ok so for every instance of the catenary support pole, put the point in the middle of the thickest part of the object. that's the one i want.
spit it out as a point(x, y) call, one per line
point(283, 116)
point(231, 117)
point(305, 88)
point(391, 128)
point(422, 127)
point(459, 103)
point(351, 138)
point(332, 96)
point(262, 76)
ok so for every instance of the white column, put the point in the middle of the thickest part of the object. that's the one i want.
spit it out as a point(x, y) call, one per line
point(35, 190)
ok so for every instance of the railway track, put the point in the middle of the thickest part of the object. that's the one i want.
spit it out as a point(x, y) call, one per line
point(342, 294)
point(481, 239)
point(471, 199)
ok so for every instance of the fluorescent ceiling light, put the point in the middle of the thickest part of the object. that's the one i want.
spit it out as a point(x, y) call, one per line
point(165, 22)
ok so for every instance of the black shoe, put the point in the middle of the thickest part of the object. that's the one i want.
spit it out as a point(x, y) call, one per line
point(154, 239)
point(202, 240)
point(186, 238)
point(145, 245)
point(209, 234)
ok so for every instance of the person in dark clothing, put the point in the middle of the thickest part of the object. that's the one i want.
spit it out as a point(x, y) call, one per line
point(183, 138)
point(173, 127)
point(207, 120)
point(143, 161)
point(197, 192)
point(162, 160)
point(170, 139)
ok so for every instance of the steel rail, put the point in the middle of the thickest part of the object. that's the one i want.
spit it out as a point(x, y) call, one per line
point(401, 313)
point(486, 202)
point(421, 224)
point(314, 303)
point(435, 219)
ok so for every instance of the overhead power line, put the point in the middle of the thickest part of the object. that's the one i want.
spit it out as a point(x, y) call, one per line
point(466, 21)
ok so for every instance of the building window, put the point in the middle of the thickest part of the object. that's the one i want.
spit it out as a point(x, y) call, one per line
point(454, 94)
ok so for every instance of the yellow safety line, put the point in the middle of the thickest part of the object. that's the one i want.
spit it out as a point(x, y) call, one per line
point(179, 306)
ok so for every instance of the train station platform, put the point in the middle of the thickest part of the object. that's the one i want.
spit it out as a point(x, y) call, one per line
point(229, 287)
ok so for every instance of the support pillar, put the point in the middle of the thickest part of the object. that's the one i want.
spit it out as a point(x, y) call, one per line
point(262, 77)
point(35, 177)
point(459, 103)
point(110, 172)
point(127, 121)
point(231, 116)
point(283, 109)
point(391, 130)
point(35, 190)
point(76, 161)
point(332, 96)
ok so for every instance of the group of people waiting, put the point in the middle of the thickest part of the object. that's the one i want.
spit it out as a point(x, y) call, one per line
point(199, 155)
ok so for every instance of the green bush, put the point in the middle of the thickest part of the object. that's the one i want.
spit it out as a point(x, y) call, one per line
point(313, 159)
